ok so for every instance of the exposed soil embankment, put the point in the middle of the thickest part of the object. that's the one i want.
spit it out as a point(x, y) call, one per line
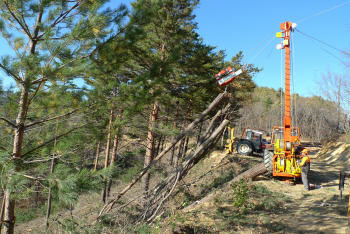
point(335, 155)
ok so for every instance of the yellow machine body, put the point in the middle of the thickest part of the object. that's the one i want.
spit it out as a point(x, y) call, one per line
point(283, 164)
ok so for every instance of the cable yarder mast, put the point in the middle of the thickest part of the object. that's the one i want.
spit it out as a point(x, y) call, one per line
point(283, 160)
point(287, 120)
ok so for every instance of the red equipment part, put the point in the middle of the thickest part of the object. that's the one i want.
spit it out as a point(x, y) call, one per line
point(226, 76)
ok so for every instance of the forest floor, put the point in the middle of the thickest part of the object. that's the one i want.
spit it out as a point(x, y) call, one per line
point(271, 205)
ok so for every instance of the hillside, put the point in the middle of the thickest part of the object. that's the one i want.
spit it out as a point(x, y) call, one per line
point(271, 205)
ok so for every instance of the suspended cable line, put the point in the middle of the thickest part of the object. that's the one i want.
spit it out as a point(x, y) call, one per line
point(324, 11)
point(262, 49)
point(325, 50)
point(264, 62)
point(259, 44)
point(322, 42)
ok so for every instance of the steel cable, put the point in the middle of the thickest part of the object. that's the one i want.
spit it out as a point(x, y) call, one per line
point(324, 11)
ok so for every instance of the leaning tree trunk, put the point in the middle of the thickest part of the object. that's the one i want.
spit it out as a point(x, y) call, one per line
point(149, 151)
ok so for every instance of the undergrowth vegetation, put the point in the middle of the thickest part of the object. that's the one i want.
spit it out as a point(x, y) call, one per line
point(242, 206)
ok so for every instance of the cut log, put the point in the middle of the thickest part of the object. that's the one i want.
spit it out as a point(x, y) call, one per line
point(251, 173)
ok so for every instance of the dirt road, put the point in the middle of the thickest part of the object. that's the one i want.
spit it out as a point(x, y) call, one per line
point(319, 210)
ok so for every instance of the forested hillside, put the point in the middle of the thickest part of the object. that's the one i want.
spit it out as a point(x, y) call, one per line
point(317, 118)
point(147, 76)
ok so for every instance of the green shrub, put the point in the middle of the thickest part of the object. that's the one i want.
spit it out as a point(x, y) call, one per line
point(240, 192)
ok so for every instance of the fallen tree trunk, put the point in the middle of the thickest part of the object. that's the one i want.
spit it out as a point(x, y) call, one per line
point(251, 173)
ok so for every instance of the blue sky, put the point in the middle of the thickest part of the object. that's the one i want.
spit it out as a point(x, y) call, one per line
point(236, 25)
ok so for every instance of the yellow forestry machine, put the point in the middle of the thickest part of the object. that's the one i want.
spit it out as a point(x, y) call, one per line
point(281, 157)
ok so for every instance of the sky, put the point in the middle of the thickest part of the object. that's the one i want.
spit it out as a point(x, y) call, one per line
point(236, 25)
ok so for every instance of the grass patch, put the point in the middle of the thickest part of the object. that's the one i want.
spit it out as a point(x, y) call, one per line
point(27, 214)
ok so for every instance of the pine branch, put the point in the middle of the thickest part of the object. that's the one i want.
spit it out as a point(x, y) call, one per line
point(61, 17)
point(30, 100)
point(8, 121)
point(3, 148)
point(64, 115)
point(33, 178)
point(26, 31)
point(57, 137)
point(13, 75)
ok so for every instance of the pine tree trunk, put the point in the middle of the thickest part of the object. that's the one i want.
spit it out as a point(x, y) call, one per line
point(49, 198)
point(178, 155)
point(181, 146)
point(2, 212)
point(97, 155)
point(186, 146)
point(9, 216)
point(158, 145)
point(173, 138)
point(199, 132)
point(108, 149)
point(163, 138)
point(114, 152)
point(149, 151)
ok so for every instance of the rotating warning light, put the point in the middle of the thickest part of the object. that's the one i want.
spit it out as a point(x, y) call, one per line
point(279, 35)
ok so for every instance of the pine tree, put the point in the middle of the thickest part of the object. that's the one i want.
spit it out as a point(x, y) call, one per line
point(52, 42)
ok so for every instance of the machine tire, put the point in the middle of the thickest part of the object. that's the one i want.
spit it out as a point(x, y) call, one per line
point(244, 148)
point(268, 161)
